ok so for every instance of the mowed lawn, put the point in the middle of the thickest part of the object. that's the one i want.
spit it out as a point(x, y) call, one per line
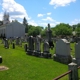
point(25, 67)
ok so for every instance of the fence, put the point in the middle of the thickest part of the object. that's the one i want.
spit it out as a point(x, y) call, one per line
point(73, 72)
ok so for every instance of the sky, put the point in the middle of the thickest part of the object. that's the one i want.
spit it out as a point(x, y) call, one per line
point(42, 12)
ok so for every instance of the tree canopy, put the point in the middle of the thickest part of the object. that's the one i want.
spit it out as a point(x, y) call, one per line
point(61, 29)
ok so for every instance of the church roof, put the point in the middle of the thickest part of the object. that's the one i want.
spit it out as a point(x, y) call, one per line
point(4, 25)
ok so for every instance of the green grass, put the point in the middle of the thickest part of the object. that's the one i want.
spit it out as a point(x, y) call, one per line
point(25, 67)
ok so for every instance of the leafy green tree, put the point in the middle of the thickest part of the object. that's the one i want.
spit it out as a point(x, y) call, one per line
point(78, 29)
point(74, 27)
point(43, 33)
point(63, 29)
point(34, 30)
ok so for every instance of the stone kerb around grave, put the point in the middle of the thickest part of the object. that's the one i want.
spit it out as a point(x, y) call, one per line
point(77, 52)
point(62, 51)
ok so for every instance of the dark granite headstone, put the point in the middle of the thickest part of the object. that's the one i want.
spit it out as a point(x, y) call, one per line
point(30, 50)
point(0, 59)
point(25, 47)
point(13, 45)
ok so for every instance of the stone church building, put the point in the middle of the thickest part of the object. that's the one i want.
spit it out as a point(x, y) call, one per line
point(11, 29)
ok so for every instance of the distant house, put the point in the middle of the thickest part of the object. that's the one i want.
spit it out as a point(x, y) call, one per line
point(13, 29)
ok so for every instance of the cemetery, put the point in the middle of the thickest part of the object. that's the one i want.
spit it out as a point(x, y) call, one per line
point(38, 59)
point(33, 57)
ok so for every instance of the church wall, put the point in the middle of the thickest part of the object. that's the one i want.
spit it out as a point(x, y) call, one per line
point(9, 31)
point(15, 29)
point(2, 30)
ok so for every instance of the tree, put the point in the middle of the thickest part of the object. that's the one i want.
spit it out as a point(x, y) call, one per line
point(78, 29)
point(34, 30)
point(74, 27)
point(63, 29)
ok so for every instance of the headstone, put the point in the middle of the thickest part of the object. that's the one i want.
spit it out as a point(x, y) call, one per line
point(77, 52)
point(0, 59)
point(13, 45)
point(37, 46)
point(62, 52)
point(20, 42)
point(30, 50)
point(46, 52)
point(6, 44)
point(10, 40)
point(17, 40)
point(25, 47)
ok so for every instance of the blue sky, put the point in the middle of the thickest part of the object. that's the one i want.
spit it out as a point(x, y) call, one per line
point(42, 12)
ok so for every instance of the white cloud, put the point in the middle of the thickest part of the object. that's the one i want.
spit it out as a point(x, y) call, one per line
point(49, 13)
point(48, 19)
point(15, 10)
point(40, 15)
point(1, 16)
point(58, 3)
point(52, 24)
point(75, 21)
point(32, 22)
point(44, 24)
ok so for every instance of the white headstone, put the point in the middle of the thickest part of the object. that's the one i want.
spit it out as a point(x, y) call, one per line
point(63, 47)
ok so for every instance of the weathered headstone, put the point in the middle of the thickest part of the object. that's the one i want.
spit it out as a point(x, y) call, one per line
point(30, 50)
point(37, 46)
point(6, 44)
point(20, 42)
point(46, 52)
point(62, 52)
point(77, 52)
point(10, 40)
point(17, 40)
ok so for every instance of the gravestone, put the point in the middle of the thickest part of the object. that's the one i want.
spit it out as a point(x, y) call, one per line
point(6, 44)
point(49, 37)
point(46, 52)
point(77, 52)
point(11, 41)
point(0, 59)
point(25, 47)
point(2, 41)
point(13, 45)
point(30, 50)
point(17, 40)
point(37, 46)
point(20, 42)
point(62, 52)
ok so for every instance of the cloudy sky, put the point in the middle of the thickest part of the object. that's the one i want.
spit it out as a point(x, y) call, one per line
point(42, 12)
